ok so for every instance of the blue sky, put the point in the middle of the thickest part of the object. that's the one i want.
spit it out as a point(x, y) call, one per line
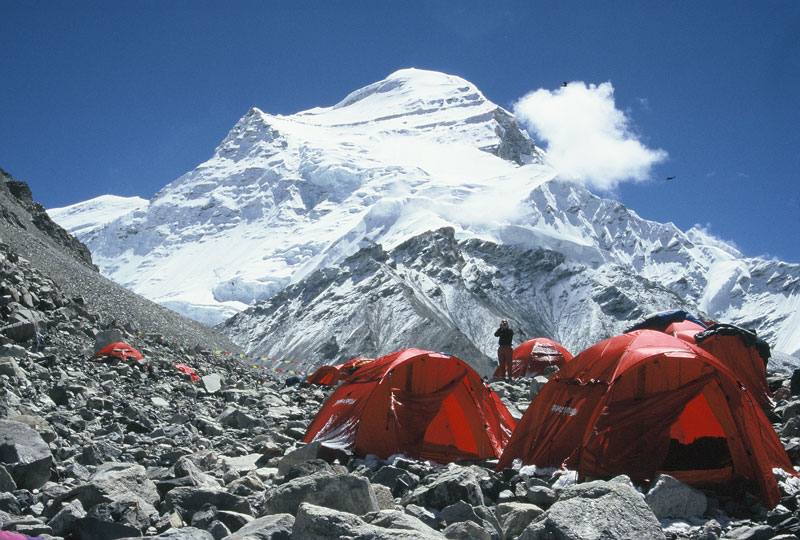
point(124, 97)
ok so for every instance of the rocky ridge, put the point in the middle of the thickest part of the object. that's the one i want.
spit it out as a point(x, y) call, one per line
point(65, 264)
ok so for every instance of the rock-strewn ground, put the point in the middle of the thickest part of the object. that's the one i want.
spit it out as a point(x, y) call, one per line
point(104, 449)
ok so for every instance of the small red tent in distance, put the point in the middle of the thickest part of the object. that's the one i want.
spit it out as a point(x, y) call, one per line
point(423, 404)
point(644, 403)
point(183, 368)
point(533, 356)
point(331, 375)
point(120, 350)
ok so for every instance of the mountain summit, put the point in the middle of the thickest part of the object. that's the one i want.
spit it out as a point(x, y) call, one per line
point(285, 196)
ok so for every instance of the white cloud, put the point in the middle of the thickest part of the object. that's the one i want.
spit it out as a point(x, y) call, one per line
point(587, 138)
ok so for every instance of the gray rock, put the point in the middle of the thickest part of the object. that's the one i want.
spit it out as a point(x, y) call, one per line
point(466, 530)
point(670, 497)
point(515, 516)
point(384, 497)
point(188, 500)
point(596, 511)
point(39, 424)
point(7, 483)
point(272, 527)
point(20, 331)
point(542, 496)
point(63, 521)
point(396, 519)
point(93, 528)
point(312, 450)
point(183, 533)
point(345, 492)
point(10, 368)
point(321, 523)
point(120, 481)
point(211, 383)
point(536, 385)
point(460, 511)
point(427, 517)
point(236, 418)
point(24, 454)
point(453, 485)
point(757, 532)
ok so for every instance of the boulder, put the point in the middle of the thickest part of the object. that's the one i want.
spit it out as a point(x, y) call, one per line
point(460, 511)
point(272, 527)
point(24, 454)
point(515, 516)
point(670, 497)
point(7, 484)
point(20, 331)
point(466, 530)
point(63, 521)
point(10, 368)
point(345, 492)
point(536, 385)
point(322, 523)
point(39, 424)
point(312, 450)
point(453, 485)
point(188, 500)
point(593, 511)
point(395, 519)
point(211, 383)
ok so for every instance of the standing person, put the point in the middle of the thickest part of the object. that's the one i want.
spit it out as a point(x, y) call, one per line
point(504, 351)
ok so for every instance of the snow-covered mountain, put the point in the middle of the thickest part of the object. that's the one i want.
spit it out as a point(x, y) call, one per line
point(284, 197)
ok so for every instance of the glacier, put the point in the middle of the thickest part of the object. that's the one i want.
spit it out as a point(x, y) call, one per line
point(283, 198)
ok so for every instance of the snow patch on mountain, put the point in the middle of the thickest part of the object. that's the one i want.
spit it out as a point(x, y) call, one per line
point(85, 218)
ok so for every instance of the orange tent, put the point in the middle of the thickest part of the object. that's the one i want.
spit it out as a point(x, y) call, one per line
point(646, 402)
point(533, 356)
point(424, 404)
point(740, 350)
point(744, 353)
point(120, 350)
point(183, 368)
point(331, 375)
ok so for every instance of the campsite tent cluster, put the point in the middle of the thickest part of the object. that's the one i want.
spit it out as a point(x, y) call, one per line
point(671, 395)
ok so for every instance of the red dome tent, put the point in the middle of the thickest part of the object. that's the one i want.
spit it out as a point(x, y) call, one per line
point(331, 375)
point(646, 402)
point(424, 404)
point(740, 350)
point(183, 368)
point(120, 350)
point(533, 356)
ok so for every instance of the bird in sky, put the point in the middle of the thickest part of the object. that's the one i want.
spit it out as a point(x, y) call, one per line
point(670, 178)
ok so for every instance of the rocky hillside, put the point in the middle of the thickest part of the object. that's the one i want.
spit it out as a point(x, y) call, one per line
point(104, 449)
point(67, 265)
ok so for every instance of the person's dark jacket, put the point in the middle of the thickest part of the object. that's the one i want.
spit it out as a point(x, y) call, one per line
point(505, 335)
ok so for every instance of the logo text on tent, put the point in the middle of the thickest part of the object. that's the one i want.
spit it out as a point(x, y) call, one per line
point(561, 409)
point(345, 401)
